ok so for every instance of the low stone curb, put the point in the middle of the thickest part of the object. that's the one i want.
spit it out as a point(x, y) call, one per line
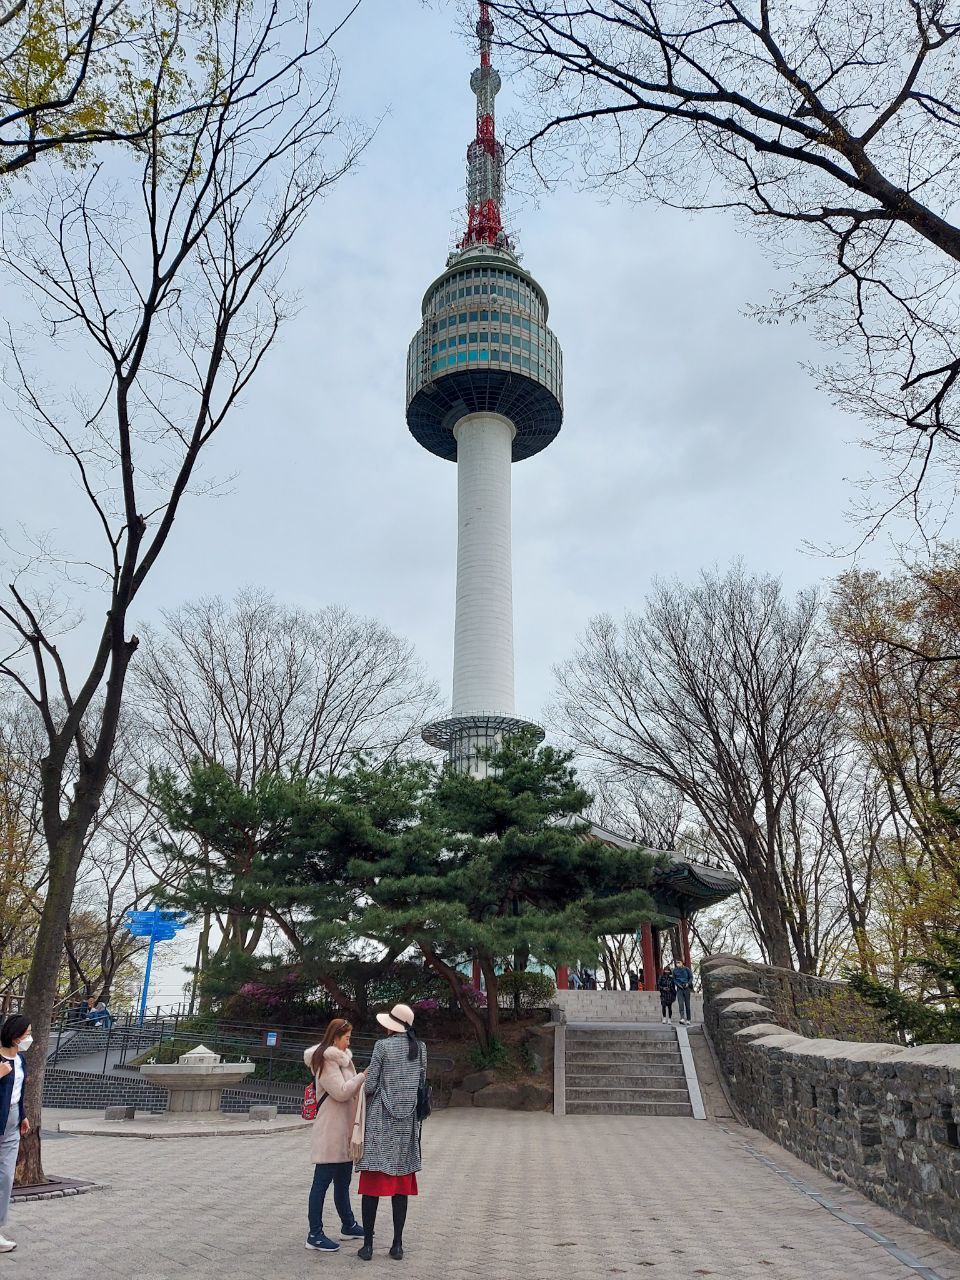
point(162, 1128)
point(60, 1193)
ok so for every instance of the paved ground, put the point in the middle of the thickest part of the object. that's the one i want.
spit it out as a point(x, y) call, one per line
point(502, 1195)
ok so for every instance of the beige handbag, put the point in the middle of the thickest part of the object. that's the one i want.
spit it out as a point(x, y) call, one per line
point(359, 1124)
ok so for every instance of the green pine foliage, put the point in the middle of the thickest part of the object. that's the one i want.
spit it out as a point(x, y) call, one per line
point(500, 866)
point(366, 869)
point(935, 1020)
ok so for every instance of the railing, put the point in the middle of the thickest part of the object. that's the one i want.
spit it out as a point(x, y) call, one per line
point(129, 1039)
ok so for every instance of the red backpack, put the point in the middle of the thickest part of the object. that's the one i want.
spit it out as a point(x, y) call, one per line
point(311, 1104)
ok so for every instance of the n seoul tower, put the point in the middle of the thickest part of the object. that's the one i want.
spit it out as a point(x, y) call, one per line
point(484, 389)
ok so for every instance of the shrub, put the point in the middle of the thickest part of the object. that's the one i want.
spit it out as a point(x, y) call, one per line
point(494, 1055)
point(527, 989)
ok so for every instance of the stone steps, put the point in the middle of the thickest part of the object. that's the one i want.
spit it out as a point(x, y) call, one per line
point(645, 1061)
point(636, 1071)
point(626, 1080)
point(617, 1006)
point(629, 1108)
point(646, 1094)
point(629, 1036)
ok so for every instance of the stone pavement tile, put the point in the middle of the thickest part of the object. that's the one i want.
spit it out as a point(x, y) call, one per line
point(503, 1195)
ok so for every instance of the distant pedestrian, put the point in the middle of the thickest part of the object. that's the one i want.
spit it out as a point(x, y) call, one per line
point(100, 1015)
point(683, 981)
point(15, 1040)
point(634, 980)
point(391, 1146)
point(574, 979)
point(668, 994)
point(338, 1084)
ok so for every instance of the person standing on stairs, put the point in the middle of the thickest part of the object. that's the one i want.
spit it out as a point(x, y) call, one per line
point(683, 981)
point(391, 1146)
point(668, 994)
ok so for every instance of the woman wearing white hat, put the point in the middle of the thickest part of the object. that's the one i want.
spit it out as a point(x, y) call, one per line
point(391, 1142)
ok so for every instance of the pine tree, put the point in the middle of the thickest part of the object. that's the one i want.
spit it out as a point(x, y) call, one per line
point(500, 867)
point(935, 1020)
point(247, 849)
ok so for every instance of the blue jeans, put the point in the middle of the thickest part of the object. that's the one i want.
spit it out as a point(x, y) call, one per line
point(683, 995)
point(323, 1174)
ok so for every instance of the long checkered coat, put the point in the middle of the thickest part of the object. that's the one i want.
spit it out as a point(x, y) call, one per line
point(391, 1140)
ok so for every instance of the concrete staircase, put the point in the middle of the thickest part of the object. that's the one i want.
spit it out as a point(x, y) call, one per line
point(619, 1006)
point(632, 1071)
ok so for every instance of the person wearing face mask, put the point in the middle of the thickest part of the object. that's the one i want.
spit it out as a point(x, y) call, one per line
point(15, 1040)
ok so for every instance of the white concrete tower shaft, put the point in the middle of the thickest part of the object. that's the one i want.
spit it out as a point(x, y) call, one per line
point(483, 633)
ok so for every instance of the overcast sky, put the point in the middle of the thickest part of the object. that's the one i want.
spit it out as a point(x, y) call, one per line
point(691, 433)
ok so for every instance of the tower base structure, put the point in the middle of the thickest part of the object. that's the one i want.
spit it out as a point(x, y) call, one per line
point(463, 738)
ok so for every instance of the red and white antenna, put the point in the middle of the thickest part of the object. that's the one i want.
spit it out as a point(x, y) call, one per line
point(485, 153)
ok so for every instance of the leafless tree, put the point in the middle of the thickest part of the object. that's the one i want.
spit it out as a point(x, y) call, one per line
point(832, 127)
point(254, 686)
point(124, 865)
point(895, 644)
point(158, 274)
point(646, 809)
point(713, 692)
point(67, 74)
point(23, 869)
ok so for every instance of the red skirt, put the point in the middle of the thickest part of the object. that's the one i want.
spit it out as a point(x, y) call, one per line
point(387, 1184)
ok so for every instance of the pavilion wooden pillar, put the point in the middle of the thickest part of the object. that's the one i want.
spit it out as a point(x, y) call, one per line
point(563, 978)
point(685, 941)
point(477, 976)
point(649, 958)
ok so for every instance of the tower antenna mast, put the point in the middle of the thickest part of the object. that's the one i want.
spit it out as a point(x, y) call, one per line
point(485, 153)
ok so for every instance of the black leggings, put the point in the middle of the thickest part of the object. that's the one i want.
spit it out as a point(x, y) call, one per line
point(368, 1212)
point(666, 1007)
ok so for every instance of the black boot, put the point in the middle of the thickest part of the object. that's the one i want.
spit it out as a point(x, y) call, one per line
point(368, 1214)
point(399, 1218)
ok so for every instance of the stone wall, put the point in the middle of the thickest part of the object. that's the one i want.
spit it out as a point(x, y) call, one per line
point(876, 1115)
point(79, 1090)
point(796, 1001)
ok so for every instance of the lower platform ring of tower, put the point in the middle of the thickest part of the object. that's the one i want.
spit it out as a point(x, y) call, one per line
point(489, 727)
point(438, 406)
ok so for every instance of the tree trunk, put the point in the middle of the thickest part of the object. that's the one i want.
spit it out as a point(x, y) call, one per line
point(489, 970)
point(76, 977)
point(457, 989)
point(41, 992)
point(203, 957)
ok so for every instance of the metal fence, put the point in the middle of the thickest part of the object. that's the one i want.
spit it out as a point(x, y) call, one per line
point(277, 1050)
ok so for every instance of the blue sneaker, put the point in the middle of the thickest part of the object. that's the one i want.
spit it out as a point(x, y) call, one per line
point(323, 1244)
point(353, 1232)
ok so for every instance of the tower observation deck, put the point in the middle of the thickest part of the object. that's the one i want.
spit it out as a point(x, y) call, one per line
point(484, 390)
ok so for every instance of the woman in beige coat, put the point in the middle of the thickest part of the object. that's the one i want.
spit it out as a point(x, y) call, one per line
point(337, 1083)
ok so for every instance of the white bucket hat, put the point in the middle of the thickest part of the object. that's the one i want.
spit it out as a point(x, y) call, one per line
point(399, 1018)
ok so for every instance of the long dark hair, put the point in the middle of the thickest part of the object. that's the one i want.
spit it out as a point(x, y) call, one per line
point(336, 1027)
point(13, 1028)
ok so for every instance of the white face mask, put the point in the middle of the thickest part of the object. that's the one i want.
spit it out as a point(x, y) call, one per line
point(24, 1044)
